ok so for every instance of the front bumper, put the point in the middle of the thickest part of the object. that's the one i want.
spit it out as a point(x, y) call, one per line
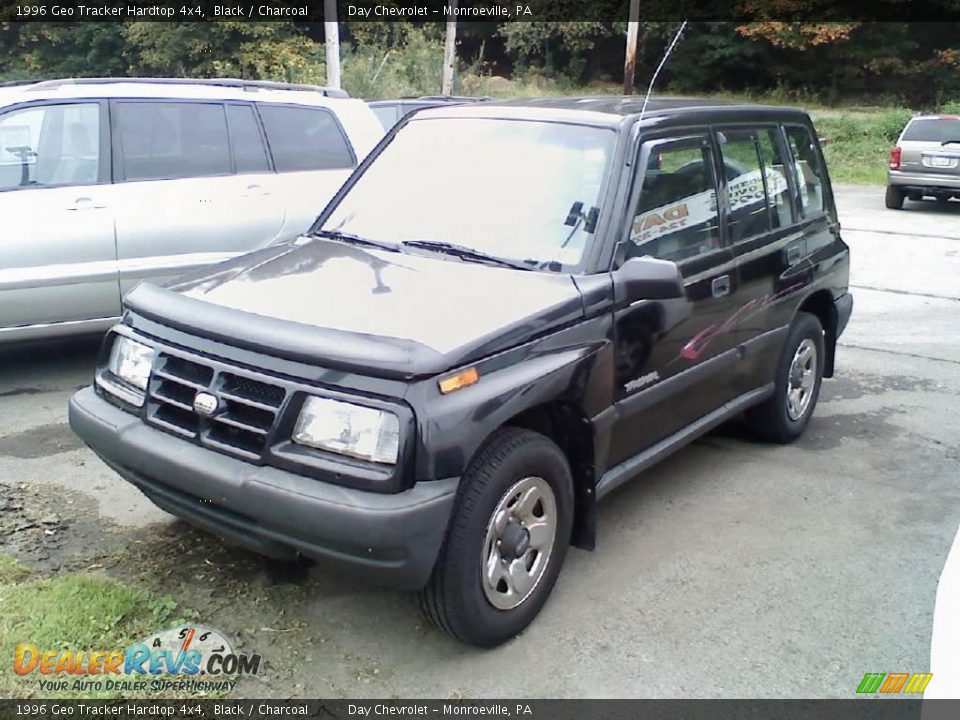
point(389, 539)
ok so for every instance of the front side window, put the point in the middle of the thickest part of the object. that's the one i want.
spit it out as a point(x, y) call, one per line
point(166, 140)
point(525, 191)
point(808, 169)
point(676, 213)
point(305, 138)
point(50, 145)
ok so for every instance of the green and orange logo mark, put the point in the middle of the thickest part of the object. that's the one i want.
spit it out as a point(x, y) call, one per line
point(892, 683)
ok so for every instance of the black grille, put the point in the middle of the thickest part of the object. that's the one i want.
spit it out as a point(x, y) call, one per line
point(247, 408)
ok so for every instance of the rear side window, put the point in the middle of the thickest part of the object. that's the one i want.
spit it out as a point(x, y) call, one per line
point(172, 140)
point(775, 174)
point(941, 130)
point(749, 209)
point(50, 145)
point(676, 214)
point(304, 138)
point(249, 152)
point(808, 169)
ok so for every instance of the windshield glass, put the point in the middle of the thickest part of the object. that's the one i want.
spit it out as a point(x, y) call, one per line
point(526, 191)
point(933, 130)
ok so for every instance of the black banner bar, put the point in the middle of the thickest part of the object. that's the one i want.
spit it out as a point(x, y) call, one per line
point(477, 10)
point(857, 709)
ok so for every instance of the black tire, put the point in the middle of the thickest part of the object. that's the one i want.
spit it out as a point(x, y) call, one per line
point(454, 599)
point(771, 420)
point(894, 198)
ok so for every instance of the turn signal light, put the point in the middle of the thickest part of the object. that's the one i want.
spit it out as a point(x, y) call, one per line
point(461, 380)
point(895, 159)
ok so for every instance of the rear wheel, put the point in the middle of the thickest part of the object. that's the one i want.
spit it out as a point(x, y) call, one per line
point(506, 542)
point(894, 197)
point(785, 415)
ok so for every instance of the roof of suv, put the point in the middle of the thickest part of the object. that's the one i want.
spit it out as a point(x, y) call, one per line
point(610, 109)
point(218, 89)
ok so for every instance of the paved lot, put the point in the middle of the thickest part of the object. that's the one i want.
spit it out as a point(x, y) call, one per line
point(732, 569)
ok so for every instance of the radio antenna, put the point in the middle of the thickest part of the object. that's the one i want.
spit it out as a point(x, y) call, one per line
point(656, 73)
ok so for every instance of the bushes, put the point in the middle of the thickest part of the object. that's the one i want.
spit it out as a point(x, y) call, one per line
point(857, 144)
point(412, 67)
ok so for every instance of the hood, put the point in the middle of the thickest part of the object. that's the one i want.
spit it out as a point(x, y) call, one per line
point(364, 309)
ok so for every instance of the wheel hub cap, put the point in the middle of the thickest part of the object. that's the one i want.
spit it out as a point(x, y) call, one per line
point(519, 541)
point(801, 379)
point(515, 541)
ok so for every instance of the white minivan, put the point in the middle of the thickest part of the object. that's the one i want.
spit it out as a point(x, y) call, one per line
point(105, 182)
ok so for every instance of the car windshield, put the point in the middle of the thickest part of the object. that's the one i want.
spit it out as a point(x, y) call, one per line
point(518, 190)
point(933, 130)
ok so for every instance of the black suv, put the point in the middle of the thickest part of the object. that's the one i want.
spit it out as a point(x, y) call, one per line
point(508, 311)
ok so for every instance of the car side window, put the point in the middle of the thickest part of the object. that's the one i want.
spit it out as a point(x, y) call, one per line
point(675, 217)
point(167, 140)
point(743, 169)
point(775, 174)
point(387, 115)
point(305, 138)
point(249, 152)
point(50, 145)
point(808, 170)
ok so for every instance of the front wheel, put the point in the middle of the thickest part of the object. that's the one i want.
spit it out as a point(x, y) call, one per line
point(785, 415)
point(506, 542)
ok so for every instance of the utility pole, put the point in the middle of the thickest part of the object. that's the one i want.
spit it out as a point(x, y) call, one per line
point(630, 60)
point(449, 50)
point(331, 41)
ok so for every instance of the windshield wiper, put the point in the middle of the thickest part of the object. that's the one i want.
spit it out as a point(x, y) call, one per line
point(949, 142)
point(462, 251)
point(356, 239)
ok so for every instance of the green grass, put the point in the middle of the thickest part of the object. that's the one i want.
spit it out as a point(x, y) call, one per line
point(70, 612)
point(857, 146)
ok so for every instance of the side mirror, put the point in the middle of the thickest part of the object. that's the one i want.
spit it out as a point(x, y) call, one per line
point(646, 278)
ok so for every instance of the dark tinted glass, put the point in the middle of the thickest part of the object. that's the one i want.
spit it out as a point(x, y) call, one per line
point(249, 152)
point(808, 169)
point(778, 189)
point(303, 138)
point(749, 208)
point(933, 130)
point(172, 140)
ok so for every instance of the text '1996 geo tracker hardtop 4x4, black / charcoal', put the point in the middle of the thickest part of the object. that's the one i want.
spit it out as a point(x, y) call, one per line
point(509, 310)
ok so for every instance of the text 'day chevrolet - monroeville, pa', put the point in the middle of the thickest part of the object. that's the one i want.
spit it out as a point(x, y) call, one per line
point(507, 311)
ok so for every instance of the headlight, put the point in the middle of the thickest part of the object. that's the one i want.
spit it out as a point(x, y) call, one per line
point(131, 362)
point(349, 429)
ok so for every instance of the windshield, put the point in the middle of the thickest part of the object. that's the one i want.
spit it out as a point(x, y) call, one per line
point(933, 130)
point(525, 191)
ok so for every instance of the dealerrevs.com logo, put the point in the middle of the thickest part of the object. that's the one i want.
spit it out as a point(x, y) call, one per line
point(894, 683)
point(189, 657)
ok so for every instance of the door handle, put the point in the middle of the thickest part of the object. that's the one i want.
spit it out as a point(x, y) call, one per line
point(255, 191)
point(85, 203)
point(720, 286)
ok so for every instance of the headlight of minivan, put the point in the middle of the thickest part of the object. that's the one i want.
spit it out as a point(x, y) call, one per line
point(348, 429)
point(131, 362)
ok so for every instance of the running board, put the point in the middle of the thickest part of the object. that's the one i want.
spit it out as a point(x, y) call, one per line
point(628, 469)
